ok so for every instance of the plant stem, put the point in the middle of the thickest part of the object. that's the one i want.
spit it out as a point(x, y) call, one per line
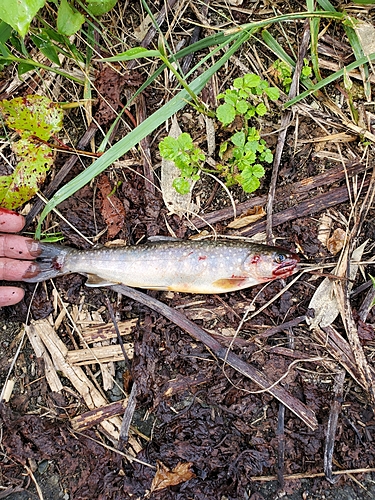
point(198, 103)
point(42, 66)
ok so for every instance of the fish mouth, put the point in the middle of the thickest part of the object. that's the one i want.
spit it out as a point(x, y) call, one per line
point(286, 268)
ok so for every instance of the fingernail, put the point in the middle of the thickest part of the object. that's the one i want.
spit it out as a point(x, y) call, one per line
point(32, 271)
point(33, 247)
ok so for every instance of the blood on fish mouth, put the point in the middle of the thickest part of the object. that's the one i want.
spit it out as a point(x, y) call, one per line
point(286, 268)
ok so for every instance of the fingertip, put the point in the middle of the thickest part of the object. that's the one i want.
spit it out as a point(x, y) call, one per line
point(11, 222)
point(10, 295)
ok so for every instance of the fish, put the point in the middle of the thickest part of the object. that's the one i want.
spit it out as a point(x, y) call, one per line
point(203, 266)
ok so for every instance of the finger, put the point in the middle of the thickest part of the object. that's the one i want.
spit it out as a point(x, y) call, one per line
point(18, 247)
point(16, 270)
point(10, 295)
point(10, 222)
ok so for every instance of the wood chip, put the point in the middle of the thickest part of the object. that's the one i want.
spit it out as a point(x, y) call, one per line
point(102, 354)
point(78, 378)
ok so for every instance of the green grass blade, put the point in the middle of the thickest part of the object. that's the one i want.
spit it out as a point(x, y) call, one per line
point(358, 52)
point(314, 32)
point(139, 133)
point(276, 48)
point(326, 5)
point(330, 79)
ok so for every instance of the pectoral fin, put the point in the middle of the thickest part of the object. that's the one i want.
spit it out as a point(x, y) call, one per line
point(94, 280)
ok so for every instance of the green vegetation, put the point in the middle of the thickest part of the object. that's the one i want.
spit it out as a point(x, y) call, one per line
point(283, 73)
point(244, 153)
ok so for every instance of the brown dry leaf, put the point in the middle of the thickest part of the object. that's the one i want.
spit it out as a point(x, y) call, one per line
point(336, 242)
point(112, 209)
point(165, 477)
point(248, 217)
point(324, 301)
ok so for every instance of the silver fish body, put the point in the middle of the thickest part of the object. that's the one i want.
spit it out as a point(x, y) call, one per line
point(194, 266)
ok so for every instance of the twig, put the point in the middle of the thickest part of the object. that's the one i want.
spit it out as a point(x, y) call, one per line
point(285, 122)
point(127, 418)
point(308, 475)
point(332, 426)
point(280, 445)
point(323, 201)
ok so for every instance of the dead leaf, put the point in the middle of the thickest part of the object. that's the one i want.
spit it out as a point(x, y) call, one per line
point(336, 242)
point(112, 209)
point(248, 217)
point(165, 477)
point(366, 34)
point(324, 301)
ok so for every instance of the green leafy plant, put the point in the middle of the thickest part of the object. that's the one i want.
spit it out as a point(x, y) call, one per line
point(19, 14)
point(188, 158)
point(282, 72)
point(36, 119)
point(51, 37)
point(246, 99)
point(243, 153)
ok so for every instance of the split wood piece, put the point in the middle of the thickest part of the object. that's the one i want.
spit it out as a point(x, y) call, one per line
point(285, 351)
point(208, 312)
point(296, 192)
point(97, 415)
point(363, 367)
point(332, 425)
point(103, 331)
point(319, 203)
point(52, 378)
point(342, 292)
point(128, 417)
point(229, 358)
point(181, 383)
point(78, 378)
point(279, 328)
point(102, 354)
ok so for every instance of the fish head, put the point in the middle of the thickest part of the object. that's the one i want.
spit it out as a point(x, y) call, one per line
point(271, 263)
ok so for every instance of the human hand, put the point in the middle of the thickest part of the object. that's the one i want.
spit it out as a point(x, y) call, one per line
point(15, 255)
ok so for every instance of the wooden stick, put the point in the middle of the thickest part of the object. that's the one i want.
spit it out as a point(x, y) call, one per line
point(332, 425)
point(297, 192)
point(320, 202)
point(97, 415)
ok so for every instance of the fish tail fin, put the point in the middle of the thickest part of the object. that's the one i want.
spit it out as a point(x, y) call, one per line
point(51, 262)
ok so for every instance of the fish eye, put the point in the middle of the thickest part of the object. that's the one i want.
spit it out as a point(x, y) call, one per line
point(279, 258)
